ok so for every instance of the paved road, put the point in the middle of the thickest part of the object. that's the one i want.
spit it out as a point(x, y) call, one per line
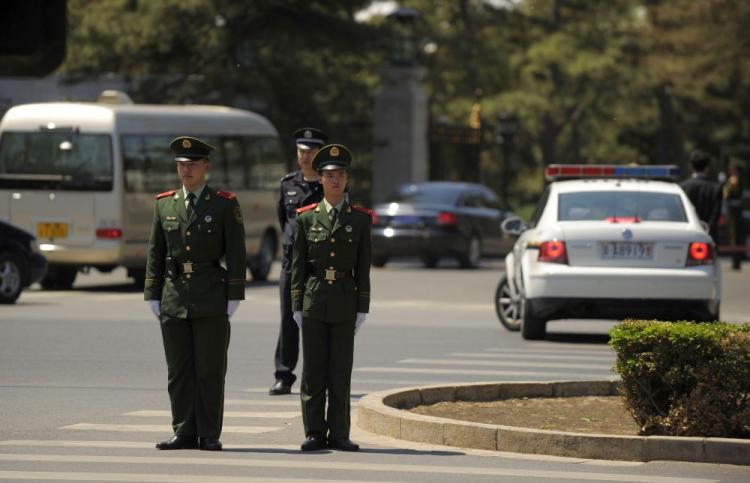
point(83, 377)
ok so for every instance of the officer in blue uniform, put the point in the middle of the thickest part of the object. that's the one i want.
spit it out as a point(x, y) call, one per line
point(195, 279)
point(299, 188)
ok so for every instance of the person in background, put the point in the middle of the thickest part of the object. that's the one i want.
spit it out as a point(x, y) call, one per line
point(194, 230)
point(704, 194)
point(330, 298)
point(298, 188)
point(733, 188)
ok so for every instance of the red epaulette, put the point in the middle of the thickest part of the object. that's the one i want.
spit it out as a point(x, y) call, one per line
point(166, 193)
point(226, 194)
point(307, 208)
point(362, 209)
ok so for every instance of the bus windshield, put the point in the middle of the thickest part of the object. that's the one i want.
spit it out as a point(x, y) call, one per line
point(60, 160)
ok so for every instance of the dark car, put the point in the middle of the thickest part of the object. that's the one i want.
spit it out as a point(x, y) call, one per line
point(437, 219)
point(20, 263)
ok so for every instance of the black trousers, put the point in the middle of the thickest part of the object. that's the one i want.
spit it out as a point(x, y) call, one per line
point(196, 351)
point(287, 347)
point(327, 355)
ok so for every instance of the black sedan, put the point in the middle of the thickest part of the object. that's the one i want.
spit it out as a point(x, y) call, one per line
point(436, 219)
point(20, 263)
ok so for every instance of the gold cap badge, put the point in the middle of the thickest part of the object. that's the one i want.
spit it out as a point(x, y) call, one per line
point(334, 151)
point(186, 144)
point(308, 134)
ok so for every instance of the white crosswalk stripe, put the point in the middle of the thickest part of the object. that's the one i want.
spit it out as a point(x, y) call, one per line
point(227, 414)
point(532, 355)
point(85, 476)
point(541, 365)
point(467, 372)
point(161, 428)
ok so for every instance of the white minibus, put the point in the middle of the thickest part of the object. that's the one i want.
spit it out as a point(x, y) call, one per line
point(82, 177)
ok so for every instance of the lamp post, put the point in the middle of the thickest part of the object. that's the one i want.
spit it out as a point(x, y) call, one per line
point(505, 133)
point(404, 39)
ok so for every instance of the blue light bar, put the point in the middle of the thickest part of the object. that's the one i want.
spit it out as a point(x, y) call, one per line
point(578, 171)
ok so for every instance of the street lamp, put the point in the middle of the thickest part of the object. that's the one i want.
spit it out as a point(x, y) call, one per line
point(405, 42)
point(506, 129)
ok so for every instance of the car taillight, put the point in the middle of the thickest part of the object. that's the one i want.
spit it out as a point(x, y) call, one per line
point(446, 218)
point(553, 251)
point(109, 233)
point(700, 253)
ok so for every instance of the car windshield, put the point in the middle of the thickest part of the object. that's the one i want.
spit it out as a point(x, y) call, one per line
point(425, 195)
point(65, 160)
point(608, 205)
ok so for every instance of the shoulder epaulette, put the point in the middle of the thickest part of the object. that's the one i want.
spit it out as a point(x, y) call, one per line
point(226, 194)
point(307, 208)
point(362, 209)
point(288, 176)
point(166, 193)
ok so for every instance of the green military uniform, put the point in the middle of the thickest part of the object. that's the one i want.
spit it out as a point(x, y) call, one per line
point(184, 271)
point(330, 285)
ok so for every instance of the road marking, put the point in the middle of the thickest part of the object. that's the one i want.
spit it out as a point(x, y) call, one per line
point(227, 414)
point(307, 464)
point(263, 402)
point(556, 349)
point(82, 476)
point(468, 372)
point(130, 444)
point(541, 365)
point(405, 382)
point(431, 304)
point(161, 428)
point(554, 357)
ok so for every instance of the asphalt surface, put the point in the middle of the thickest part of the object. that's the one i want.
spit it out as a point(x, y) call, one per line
point(83, 385)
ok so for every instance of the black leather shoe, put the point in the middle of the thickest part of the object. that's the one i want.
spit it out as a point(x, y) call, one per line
point(343, 444)
point(179, 442)
point(313, 442)
point(280, 388)
point(210, 444)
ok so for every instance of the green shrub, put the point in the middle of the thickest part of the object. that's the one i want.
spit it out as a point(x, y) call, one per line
point(685, 379)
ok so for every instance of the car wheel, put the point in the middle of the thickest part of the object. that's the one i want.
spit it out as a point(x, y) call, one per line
point(532, 328)
point(138, 276)
point(59, 278)
point(430, 262)
point(508, 306)
point(261, 263)
point(12, 275)
point(379, 261)
point(470, 258)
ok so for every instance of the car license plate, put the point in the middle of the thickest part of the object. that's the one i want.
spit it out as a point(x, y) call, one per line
point(52, 230)
point(406, 220)
point(627, 250)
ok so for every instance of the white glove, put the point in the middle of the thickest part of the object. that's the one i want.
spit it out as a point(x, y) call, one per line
point(232, 307)
point(155, 306)
point(297, 316)
point(361, 316)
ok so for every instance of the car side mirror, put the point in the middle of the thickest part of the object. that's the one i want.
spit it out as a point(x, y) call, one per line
point(513, 226)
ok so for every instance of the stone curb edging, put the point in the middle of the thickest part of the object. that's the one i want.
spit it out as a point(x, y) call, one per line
point(385, 413)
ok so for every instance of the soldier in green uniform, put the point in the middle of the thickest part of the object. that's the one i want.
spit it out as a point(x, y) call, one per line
point(330, 298)
point(195, 231)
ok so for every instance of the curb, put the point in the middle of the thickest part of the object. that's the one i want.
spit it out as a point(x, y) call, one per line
point(384, 413)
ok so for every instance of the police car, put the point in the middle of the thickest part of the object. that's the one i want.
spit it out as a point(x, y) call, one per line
point(609, 242)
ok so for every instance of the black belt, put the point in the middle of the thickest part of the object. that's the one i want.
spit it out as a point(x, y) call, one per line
point(175, 268)
point(330, 274)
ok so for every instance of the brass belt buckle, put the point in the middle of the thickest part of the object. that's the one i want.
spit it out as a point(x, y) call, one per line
point(187, 267)
point(330, 274)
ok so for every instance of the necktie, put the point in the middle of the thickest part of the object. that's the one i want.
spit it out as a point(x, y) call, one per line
point(332, 216)
point(191, 206)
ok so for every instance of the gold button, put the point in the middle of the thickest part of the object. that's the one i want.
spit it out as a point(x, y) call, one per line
point(333, 240)
point(333, 254)
point(330, 282)
point(187, 248)
point(187, 275)
point(330, 268)
point(187, 233)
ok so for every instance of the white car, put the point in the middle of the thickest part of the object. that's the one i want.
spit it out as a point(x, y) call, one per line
point(614, 242)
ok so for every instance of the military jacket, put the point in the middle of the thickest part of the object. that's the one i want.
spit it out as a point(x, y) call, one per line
point(322, 252)
point(706, 197)
point(184, 267)
point(295, 193)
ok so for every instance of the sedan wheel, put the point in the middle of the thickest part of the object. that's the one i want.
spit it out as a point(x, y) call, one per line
point(470, 258)
point(11, 279)
point(508, 306)
point(260, 265)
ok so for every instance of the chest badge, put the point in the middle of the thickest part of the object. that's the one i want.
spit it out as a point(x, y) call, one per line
point(348, 228)
point(207, 219)
point(291, 193)
point(171, 218)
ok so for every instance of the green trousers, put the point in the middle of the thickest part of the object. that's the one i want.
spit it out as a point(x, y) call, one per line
point(327, 357)
point(196, 351)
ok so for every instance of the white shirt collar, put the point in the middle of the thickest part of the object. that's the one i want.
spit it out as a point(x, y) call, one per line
point(328, 206)
point(197, 192)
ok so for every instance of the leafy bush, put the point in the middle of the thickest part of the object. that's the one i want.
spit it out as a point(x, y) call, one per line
point(685, 379)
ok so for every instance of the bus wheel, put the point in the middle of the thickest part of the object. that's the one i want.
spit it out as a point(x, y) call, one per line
point(59, 277)
point(261, 263)
point(139, 277)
